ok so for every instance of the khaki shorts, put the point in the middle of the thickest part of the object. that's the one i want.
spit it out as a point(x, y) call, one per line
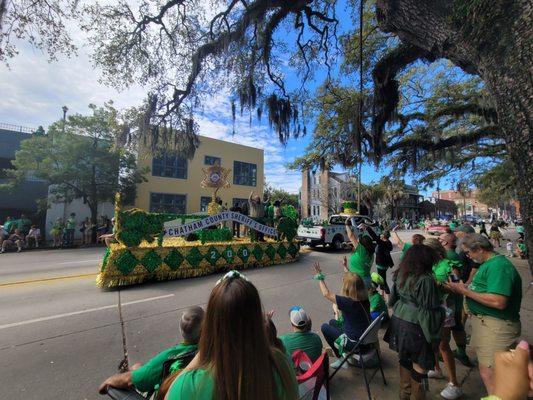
point(490, 335)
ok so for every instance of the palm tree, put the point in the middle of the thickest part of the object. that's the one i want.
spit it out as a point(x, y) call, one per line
point(393, 193)
point(371, 194)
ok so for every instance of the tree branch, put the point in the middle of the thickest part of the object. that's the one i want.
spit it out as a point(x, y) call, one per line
point(489, 131)
point(255, 11)
point(386, 94)
point(457, 110)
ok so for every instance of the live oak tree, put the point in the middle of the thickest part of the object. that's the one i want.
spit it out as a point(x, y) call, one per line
point(282, 195)
point(492, 39)
point(39, 22)
point(497, 185)
point(79, 159)
point(177, 47)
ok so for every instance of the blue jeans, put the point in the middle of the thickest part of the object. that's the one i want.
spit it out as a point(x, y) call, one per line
point(331, 332)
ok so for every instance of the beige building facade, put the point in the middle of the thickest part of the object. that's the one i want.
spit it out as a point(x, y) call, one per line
point(174, 183)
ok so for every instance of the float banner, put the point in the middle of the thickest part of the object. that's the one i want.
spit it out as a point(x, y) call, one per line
point(175, 228)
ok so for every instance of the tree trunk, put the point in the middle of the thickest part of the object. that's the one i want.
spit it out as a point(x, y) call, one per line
point(94, 219)
point(492, 38)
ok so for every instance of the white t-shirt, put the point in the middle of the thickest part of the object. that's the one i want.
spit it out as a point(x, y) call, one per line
point(34, 232)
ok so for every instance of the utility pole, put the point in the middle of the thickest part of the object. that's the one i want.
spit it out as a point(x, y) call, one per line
point(65, 109)
point(360, 130)
point(437, 202)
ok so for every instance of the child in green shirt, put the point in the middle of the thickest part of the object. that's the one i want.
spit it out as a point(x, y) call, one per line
point(377, 304)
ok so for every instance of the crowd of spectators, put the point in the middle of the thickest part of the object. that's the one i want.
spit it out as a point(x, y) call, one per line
point(18, 233)
point(22, 234)
point(438, 284)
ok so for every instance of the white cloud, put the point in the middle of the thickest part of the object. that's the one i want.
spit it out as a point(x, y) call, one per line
point(33, 91)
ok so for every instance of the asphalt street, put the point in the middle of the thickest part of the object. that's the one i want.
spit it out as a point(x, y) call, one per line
point(60, 335)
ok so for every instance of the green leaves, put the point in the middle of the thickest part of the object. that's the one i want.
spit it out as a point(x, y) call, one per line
point(79, 159)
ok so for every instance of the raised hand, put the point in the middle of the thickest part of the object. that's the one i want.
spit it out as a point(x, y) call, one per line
point(316, 268)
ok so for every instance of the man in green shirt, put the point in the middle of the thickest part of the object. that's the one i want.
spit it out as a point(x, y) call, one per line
point(147, 377)
point(301, 337)
point(493, 300)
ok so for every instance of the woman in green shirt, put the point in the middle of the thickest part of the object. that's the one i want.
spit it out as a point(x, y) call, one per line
point(415, 327)
point(235, 360)
point(362, 258)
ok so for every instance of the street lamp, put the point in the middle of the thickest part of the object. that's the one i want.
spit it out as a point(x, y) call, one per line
point(437, 202)
point(65, 109)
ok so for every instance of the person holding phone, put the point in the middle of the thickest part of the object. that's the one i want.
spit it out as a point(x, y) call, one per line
point(443, 270)
point(448, 241)
point(493, 301)
point(362, 258)
point(383, 257)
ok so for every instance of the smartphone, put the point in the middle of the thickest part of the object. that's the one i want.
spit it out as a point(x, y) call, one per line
point(454, 278)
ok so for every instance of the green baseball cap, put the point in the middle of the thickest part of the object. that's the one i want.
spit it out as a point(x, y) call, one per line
point(376, 278)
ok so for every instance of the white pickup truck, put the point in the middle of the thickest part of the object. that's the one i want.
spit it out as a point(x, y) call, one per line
point(333, 233)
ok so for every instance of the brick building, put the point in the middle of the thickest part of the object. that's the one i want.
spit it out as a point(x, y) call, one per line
point(467, 203)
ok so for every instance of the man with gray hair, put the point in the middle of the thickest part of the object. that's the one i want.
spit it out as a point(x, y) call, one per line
point(147, 377)
point(493, 301)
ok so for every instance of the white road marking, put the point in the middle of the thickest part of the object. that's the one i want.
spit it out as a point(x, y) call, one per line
point(78, 262)
point(70, 314)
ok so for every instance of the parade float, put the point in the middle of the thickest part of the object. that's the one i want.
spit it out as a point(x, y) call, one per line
point(163, 246)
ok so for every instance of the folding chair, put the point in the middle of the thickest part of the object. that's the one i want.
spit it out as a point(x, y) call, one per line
point(313, 384)
point(132, 394)
point(185, 358)
point(370, 338)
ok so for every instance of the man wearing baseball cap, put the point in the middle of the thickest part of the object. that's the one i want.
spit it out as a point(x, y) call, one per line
point(301, 337)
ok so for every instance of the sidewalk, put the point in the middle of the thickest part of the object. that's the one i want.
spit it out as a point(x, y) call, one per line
point(349, 384)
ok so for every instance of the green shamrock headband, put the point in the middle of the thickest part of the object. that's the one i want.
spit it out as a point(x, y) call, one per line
point(231, 275)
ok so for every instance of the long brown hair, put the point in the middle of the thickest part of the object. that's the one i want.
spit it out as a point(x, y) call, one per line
point(272, 335)
point(368, 244)
point(417, 238)
point(354, 287)
point(417, 261)
point(234, 345)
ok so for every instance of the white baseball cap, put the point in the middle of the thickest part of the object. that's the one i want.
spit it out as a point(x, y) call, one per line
point(298, 317)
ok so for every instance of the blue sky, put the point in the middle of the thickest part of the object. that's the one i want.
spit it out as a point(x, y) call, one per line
point(34, 90)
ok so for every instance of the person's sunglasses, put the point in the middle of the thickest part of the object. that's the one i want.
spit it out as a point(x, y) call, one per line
point(468, 253)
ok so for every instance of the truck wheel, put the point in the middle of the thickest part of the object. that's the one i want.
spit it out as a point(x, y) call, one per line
point(336, 244)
